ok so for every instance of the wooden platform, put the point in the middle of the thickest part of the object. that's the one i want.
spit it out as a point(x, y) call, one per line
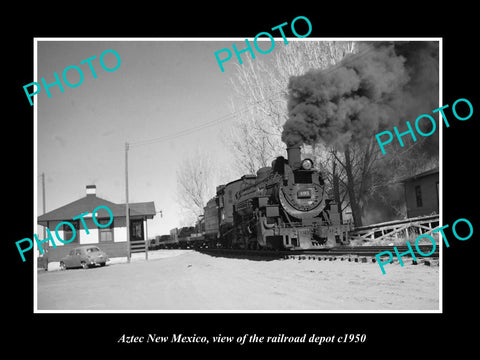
point(408, 229)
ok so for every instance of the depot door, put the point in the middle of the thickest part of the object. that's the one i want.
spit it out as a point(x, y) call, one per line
point(136, 230)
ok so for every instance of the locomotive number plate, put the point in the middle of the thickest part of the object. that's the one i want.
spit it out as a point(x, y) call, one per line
point(304, 194)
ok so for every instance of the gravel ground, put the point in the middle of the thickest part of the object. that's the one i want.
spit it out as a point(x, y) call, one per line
point(186, 280)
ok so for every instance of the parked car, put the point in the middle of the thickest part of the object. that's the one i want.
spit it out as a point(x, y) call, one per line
point(84, 256)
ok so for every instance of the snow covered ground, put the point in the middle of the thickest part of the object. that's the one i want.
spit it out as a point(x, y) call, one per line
point(186, 280)
point(152, 255)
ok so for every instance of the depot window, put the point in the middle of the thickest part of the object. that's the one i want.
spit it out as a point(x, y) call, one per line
point(105, 234)
point(68, 232)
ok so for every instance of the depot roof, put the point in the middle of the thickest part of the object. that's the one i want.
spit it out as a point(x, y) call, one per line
point(89, 202)
point(420, 175)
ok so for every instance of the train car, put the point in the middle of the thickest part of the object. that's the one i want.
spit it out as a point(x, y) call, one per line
point(166, 242)
point(225, 207)
point(211, 223)
point(284, 206)
point(160, 242)
point(197, 239)
point(154, 244)
point(174, 237)
point(183, 237)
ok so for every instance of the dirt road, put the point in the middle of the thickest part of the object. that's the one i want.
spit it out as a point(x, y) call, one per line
point(192, 281)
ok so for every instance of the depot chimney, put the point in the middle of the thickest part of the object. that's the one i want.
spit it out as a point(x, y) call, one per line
point(91, 190)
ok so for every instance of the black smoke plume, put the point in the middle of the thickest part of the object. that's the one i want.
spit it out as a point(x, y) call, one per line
point(384, 85)
point(381, 86)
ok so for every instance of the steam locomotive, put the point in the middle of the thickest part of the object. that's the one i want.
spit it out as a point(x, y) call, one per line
point(284, 206)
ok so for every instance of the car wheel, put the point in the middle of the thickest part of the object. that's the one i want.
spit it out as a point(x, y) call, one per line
point(102, 264)
point(62, 266)
point(84, 265)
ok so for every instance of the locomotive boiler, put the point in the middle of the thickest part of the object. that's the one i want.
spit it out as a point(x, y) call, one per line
point(284, 206)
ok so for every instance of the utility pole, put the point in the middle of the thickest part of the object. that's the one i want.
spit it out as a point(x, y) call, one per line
point(146, 239)
point(44, 246)
point(127, 212)
point(43, 201)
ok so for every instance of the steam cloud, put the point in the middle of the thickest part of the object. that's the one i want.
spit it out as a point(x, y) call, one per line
point(383, 85)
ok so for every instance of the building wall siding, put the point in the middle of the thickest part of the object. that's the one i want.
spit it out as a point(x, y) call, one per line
point(112, 249)
point(428, 189)
point(116, 248)
point(120, 234)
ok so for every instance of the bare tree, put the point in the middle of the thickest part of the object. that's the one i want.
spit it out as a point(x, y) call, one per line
point(195, 185)
point(260, 101)
point(357, 163)
point(367, 181)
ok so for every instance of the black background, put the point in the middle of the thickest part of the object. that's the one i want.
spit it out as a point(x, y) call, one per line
point(387, 334)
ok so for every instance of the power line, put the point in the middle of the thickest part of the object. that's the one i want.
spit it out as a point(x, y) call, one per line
point(182, 132)
point(200, 126)
point(231, 116)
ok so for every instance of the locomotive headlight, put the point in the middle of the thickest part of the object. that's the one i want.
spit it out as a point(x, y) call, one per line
point(307, 164)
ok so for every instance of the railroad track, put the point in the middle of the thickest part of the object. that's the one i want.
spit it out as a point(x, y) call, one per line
point(355, 253)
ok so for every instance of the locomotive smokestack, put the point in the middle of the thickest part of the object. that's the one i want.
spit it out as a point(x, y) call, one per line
point(294, 156)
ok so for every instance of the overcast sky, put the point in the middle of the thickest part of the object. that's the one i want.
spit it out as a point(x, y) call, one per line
point(161, 88)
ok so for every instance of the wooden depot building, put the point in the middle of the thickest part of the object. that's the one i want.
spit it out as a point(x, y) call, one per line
point(422, 194)
point(112, 239)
